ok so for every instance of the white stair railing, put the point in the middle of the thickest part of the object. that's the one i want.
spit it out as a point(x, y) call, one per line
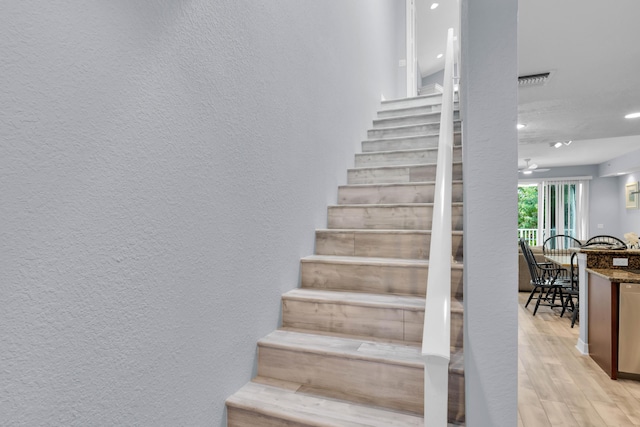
point(436, 347)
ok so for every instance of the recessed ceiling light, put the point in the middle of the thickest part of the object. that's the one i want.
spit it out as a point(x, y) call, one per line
point(439, 56)
point(521, 126)
point(434, 5)
point(559, 144)
point(632, 116)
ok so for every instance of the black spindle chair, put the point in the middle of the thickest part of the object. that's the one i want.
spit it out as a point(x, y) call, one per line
point(543, 279)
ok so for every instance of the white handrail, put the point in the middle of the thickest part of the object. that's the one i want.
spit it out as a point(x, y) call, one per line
point(436, 348)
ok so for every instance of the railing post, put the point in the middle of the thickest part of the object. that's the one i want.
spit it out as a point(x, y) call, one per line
point(436, 375)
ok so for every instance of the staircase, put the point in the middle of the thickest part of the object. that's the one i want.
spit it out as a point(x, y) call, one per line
point(348, 352)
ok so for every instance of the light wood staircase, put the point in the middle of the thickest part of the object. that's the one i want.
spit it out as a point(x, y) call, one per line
point(348, 351)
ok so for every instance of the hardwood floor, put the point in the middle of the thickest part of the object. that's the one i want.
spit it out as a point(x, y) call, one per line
point(557, 386)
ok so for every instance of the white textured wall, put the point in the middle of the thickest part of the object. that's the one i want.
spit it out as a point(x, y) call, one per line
point(163, 166)
point(489, 103)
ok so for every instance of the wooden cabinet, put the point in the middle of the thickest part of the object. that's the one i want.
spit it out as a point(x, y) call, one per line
point(604, 296)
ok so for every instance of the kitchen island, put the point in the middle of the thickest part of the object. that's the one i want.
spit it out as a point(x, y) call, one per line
point(605, 318)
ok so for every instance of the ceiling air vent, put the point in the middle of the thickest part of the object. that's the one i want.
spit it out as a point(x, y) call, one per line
point(533, 79)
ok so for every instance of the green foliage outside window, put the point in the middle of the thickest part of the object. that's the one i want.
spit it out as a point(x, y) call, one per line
point(528, 207)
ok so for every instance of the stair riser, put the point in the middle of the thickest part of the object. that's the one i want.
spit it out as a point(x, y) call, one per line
point(408, 131)
point(425, 109)
point(385, 385)
point(388, 218)
point(414, 119)
point(387, 323)
point(417, 119)
point(377, 322)
point(418, 193)
point(400, 174)
point(381, 279)
point(398, 158)
point(405, 143)
point(380, 245)
point(401, 112)
point(411, 102)
point(391, 386)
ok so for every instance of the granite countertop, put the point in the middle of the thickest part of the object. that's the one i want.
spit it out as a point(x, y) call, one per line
point(617, 274)
point(604, 251)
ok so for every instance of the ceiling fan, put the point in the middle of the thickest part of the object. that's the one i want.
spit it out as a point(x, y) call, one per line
point(530, 168)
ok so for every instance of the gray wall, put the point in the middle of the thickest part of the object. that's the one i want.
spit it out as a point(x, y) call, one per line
point(604, 207)
point(437, 77)
point(623, 169)
point(489, 30)
point(163, 167)
point(629, 219)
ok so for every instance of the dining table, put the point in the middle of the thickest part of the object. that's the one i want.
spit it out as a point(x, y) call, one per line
point(559, 260)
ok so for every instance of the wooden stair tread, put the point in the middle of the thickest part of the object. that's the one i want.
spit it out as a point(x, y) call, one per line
point(381, 231)
point(389, 205)
point(355, 348)
point(395, 138)
point(394, 354)
point(430, 117)
point(417, 98)
point(415, 165)
point(357, 298)
point(404, 151)
point(405, 302)
point(393, 262)
point(412, 125)
point(396, 184)
point(315, 411)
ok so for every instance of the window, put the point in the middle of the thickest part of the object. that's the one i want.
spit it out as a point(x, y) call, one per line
point(528, 213)
point(561, 206)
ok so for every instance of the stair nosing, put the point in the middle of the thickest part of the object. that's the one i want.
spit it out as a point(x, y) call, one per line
point(399, 166)
point(348, 354)
point(316, 296)
point(409, 126)
point(396, 138)
point(384, 205)
point(380, 231)
point(396, 184)
point(379, 261)
point(391, 101)
point(408, 150)
point(340, 259)
point(294, 295)
point(408, 116)
point(415, 107)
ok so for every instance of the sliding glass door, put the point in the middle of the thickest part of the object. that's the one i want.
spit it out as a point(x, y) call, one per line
point(564, 208)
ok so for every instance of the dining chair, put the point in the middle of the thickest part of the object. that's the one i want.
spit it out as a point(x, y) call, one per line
point(543, 280)
point(561, 245)
point(572, 293)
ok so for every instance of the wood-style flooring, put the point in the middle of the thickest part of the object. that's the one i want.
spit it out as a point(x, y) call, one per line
point(557, 386)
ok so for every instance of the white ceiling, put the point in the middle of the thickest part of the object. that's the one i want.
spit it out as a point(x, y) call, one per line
point(592, 49)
